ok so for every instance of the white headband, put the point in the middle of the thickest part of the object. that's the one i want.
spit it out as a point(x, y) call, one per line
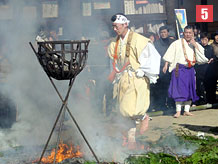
point(121, 19)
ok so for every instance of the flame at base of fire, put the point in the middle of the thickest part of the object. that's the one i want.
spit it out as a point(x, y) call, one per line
point(64, 152)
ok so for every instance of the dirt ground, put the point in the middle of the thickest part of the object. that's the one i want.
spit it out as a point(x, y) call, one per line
point(204, 122)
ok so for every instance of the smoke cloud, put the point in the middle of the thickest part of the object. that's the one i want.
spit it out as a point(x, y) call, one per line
point(29, 89)
point(36, 101)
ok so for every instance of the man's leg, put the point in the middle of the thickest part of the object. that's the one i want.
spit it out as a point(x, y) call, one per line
point(144, 124)
point(187, 108)
point(178, 109)
point(131, 138)
point(127, 126)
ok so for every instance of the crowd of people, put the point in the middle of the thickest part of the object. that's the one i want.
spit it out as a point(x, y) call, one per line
point(161, 73)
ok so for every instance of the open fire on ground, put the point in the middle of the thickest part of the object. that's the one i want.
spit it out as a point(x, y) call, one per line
point(64, 152)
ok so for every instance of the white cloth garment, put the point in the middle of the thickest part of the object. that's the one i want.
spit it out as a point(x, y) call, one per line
point(150, 63)
point(175, 54)
point(121, 19)
point(187, 107)
point(140, 73)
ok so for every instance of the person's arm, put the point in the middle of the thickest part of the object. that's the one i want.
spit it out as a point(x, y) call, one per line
point(165, 67)
point(169, 57)
point(210, 61)
point(212, 53)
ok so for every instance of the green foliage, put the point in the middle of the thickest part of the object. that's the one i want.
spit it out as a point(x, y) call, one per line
point(152, 158)
point(207, 153)
point(88, 162)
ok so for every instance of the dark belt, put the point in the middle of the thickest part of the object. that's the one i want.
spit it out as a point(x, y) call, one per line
point(177, 70)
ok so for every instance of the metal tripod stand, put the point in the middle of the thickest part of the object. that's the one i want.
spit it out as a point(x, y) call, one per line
point(52, 56)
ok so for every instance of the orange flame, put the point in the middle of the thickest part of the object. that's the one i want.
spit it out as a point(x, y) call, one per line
point(64, 152)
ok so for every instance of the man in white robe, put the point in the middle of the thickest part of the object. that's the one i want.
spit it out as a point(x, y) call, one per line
point(181, 56)
point(136, 64)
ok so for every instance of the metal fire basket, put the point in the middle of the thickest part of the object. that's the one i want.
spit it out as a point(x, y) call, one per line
point(62, 60)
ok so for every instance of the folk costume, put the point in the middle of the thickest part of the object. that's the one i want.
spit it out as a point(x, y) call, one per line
point(136, 64)
point(182, 57)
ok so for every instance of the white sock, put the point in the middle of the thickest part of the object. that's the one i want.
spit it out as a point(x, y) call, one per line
point(178, 107)
point(187, 107)
point(144, 116)
point(131, 135)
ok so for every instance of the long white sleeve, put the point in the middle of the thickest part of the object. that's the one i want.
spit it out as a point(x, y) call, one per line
point(150, 62)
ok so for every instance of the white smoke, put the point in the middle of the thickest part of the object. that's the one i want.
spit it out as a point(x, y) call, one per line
point(36, 101)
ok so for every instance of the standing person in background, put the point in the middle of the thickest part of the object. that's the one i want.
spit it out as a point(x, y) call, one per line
point(53, 35)
point(205, 73)
point(136, 64)
point(162, 102)
point(164, 42)
point(215, 44)
point(181, 57)
point(213, 86)
point(151, 36)
point(197, 33)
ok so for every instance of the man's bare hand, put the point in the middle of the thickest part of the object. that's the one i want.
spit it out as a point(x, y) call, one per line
point(193, 42)
point(165, 67)
point(210, 61)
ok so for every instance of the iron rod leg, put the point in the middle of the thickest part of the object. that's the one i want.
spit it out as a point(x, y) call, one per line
point(51, 133)
point(96, 158)
point(63, 105)
point(74, 120)
point(59, 133)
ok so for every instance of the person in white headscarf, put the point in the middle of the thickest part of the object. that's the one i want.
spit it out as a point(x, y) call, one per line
point(136, 64)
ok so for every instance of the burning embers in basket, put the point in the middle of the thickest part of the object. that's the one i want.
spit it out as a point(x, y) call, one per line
point(62, 60)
